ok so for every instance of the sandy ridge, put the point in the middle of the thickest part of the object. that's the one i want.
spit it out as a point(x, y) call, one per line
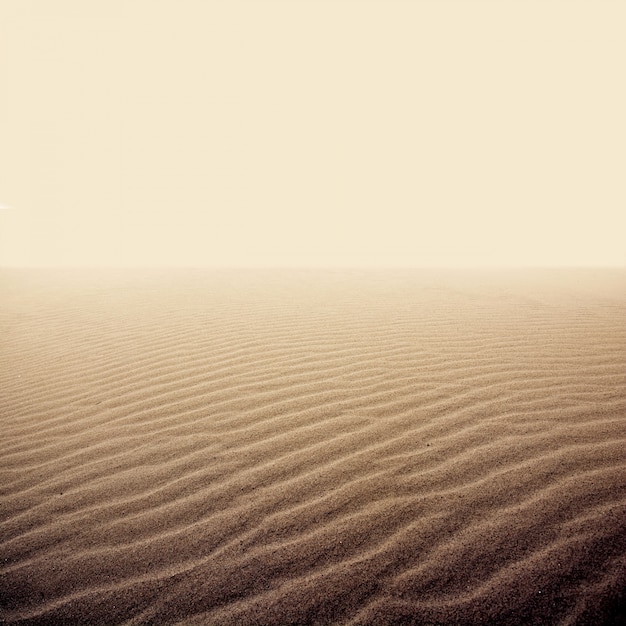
point(356, 448)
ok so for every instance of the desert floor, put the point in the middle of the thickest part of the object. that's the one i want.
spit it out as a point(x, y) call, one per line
point(273, 447)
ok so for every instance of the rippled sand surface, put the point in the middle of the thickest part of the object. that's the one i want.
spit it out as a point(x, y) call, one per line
point(313, 447)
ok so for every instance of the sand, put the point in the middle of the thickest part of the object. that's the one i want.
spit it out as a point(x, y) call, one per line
point(237, 447)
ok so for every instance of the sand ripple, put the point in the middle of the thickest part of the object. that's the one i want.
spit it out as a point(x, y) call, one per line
point(299, 447)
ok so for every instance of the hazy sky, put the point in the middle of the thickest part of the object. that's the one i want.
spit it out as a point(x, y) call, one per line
point(323, 132)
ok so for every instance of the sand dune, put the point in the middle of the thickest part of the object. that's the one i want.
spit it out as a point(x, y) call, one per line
point(313, 447)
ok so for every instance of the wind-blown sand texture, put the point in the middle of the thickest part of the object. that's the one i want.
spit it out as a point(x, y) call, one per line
point(313, 447)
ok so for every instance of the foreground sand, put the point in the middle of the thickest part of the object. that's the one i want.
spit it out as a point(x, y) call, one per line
point(299, 447)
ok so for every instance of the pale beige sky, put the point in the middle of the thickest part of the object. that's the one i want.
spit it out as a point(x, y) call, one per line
point(182, 132)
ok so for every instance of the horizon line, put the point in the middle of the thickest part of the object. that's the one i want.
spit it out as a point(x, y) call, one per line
point(315, 267)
